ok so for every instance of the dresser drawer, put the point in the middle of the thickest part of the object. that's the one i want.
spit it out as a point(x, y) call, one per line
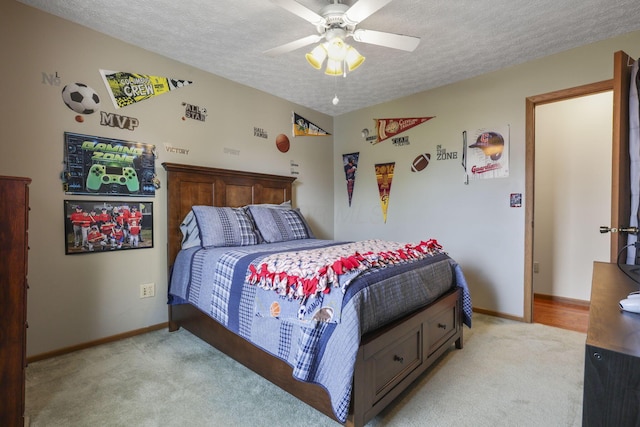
point(440, 328)
point(395, 361)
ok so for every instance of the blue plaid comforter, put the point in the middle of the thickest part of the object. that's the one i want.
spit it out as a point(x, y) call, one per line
point(213, 279)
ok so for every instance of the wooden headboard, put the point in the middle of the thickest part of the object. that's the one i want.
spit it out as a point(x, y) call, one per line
point(197, 185)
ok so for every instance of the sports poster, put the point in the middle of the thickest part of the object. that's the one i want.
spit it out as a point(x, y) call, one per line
point(108, 167)
point(303, 127)
point(486, 153)
point(350, 164)
point(129, 88)
point(384, 176)
point(106, 226)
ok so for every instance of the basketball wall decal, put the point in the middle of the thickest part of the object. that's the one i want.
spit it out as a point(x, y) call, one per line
point(282, 142)
point(420, 162)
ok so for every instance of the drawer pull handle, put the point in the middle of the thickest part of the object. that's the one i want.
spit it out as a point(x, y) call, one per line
point(442, 325)
point(397, 358)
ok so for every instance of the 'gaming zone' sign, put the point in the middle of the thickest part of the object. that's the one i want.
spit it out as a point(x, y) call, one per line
point(105, 166)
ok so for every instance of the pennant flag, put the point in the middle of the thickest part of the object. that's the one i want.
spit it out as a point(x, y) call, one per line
point(129, 88)
point(384, 175)
point(350, 167)
point(387, 128)
point(303, 127)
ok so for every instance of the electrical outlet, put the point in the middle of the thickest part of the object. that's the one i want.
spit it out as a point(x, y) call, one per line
point(147, 290)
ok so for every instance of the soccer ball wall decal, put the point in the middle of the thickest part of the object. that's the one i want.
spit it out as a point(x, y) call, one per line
point(81, 98)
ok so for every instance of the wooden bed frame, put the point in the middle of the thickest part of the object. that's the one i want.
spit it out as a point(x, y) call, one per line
point(388, 360)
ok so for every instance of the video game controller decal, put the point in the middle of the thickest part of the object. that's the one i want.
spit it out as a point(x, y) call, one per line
point(101, 174)
point(105, 166)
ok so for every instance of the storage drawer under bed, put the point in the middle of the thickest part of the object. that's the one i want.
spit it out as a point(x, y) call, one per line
point(440, 328)
point(395, 357)
point(389, 362)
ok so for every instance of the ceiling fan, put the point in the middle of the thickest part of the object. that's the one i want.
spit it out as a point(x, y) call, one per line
point(334, 23)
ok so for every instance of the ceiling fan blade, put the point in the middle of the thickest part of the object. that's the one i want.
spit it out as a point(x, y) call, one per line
point(291, 46)
point(300, 10)
point(395, 41)
point(362, 9)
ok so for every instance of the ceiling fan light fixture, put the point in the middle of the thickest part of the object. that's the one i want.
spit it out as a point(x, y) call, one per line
point(334, 67)
point(317, 56)
point(337, 49)
point(334, 23)
point(338, 54)
point(353, 59)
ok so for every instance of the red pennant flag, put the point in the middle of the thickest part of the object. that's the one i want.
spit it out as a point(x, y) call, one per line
point(387, 128)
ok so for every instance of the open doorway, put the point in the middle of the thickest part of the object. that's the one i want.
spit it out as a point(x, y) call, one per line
point(572, 194)
point(531, 104)
point(572, 200)
point(620, 181)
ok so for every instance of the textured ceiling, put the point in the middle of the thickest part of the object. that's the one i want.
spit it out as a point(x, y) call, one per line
point(459, 40)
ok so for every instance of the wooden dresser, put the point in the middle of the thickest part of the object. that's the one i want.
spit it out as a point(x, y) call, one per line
point(14, 216)
point(612, 359)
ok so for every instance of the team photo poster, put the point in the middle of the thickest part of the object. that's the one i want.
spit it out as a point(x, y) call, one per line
point(108, 167)
point(106, 226)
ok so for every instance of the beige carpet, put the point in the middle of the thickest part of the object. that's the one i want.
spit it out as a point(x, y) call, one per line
point(508, 374)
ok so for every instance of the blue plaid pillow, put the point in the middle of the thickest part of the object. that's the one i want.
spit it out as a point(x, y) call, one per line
point(224, 226)
point(280, 225)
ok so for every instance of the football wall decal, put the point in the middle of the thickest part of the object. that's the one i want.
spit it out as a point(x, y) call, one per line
point(420, 162)
point(81, 98)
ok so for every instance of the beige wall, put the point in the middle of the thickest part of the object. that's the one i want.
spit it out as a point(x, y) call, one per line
point(75, 299)
point(474, 222)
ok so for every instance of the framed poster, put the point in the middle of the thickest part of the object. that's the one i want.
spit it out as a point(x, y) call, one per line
point(105, 226)
point(108, 167)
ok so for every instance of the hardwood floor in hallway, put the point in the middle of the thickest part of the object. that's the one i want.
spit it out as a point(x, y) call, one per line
point(561, 314)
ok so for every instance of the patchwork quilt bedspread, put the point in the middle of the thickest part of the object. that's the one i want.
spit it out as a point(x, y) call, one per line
point(319, 334)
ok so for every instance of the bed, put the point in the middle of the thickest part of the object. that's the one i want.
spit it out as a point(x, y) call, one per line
point(392, 347)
